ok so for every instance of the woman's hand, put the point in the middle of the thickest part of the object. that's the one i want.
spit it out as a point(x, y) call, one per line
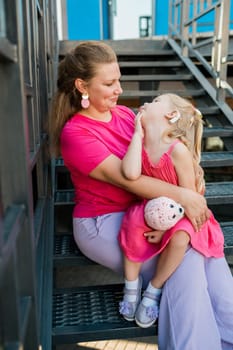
point(195, 207)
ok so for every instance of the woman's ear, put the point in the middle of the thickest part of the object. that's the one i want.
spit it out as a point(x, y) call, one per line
point(80, 85)
point(173, 116)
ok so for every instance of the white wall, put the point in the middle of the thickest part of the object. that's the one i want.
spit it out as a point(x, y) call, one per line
point(126, 21)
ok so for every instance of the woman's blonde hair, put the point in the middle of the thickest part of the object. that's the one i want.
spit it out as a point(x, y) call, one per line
point(82, 62)
point(189, 130)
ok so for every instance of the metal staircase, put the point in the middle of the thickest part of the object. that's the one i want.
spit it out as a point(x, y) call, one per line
point(38, 307)
point(148, 68)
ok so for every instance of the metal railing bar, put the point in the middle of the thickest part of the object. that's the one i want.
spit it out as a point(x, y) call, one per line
point(179, 27)
point(203, 81)
point(203, 43)
point(200, 58)
point(203, 13)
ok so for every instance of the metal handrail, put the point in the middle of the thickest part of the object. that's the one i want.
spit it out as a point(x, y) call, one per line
point(185, 18)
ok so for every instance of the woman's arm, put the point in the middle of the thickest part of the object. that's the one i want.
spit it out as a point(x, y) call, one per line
point(147, 187)
point(132, 161)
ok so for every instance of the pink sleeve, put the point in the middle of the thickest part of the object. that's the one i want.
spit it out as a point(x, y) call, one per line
point(81, 150)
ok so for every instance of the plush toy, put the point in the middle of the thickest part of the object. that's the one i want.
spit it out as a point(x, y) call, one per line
point(162, 213)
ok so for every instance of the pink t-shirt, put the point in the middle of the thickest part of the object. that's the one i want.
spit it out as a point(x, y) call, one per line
point(85, 143)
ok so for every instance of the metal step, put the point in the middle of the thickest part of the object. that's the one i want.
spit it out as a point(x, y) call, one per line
point(219, 193)
point(216, 159)
point(150, 64)
point(216, 193)
point(135, 94)
point(227, 228)
point(91, 313)
point(66, 252)
point(64, 197)
point(225, 131)
point(156, 53)
point(208, 159)
point(157, 77)
point(128, 48)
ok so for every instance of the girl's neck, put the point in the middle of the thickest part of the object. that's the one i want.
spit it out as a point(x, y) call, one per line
point(153, 135)
point(155, 143)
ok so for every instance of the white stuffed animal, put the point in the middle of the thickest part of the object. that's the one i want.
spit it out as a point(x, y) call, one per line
point(162, 213)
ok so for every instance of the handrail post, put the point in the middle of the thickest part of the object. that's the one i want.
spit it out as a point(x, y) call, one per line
point(184, 16)
point(221, 46)
point(184, 29)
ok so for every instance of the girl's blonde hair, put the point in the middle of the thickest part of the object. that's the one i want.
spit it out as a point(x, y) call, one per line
point(189, 130)
point(82, 62)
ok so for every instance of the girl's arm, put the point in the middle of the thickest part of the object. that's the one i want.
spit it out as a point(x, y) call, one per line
point(147, 187)
point(183, 162)
point(132, 161)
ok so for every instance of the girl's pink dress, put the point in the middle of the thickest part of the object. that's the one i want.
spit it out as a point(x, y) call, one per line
point(209, 241)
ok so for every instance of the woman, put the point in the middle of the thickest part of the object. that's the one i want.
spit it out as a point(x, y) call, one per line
point(93, 133)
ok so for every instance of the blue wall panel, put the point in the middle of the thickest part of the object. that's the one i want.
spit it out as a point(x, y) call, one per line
point(83, 19)
point(106, 33)
point(161, 17)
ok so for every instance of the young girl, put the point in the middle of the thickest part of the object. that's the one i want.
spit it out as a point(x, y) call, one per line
point(171, 130)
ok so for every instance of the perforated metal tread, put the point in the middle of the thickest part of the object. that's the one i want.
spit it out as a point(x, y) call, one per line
point(219, 193)
point(224, 131)
point(219, 158)
point(156, 77)
point(91, 313)
point(216, 159)
point(66, 251)
point(64, 197)
point(134, 94)
point(144, 64)
point(216, 193)
point(227, 228)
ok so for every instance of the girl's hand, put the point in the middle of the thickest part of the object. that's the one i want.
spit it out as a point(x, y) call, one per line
point(154, 236)
point(138, 125)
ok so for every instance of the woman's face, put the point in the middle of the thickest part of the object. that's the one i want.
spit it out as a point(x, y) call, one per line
point(105, 88)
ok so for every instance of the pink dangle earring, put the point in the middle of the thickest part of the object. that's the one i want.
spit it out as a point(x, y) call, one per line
point(85, 103)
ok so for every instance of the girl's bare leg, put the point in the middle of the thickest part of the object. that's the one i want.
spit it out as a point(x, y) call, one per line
point(168, 262)
point(170, 258)
point(132, 290)
point(132, 269)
